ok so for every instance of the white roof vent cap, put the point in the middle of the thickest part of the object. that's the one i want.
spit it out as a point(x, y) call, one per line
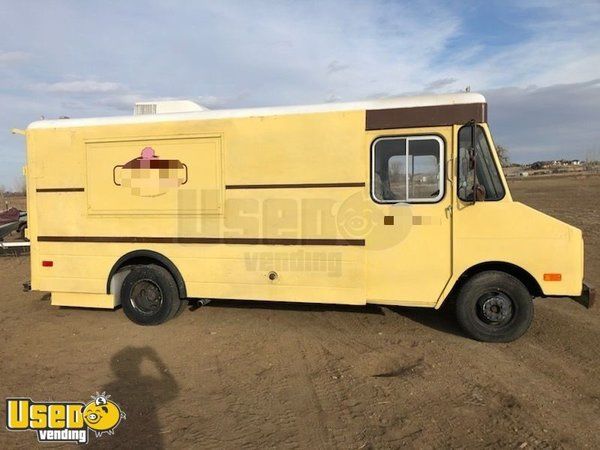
point(166, 107)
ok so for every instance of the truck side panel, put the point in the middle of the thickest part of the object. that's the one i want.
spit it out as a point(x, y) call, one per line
point(89, 206)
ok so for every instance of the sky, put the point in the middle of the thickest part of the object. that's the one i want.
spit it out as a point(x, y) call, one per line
point(537, 62)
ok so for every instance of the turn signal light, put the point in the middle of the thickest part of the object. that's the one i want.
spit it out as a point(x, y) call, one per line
point(47, 263)
point(552, 277)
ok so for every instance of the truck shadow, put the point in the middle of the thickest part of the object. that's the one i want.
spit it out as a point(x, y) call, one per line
point(442, 319)
point(291, 306)
point(140, 394)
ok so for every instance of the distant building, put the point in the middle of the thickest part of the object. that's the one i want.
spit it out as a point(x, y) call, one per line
point(554, 164)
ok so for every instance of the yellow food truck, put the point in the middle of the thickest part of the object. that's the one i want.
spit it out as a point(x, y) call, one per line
point(394, 202)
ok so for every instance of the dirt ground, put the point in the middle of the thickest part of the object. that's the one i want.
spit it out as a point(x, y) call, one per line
point(251, 375)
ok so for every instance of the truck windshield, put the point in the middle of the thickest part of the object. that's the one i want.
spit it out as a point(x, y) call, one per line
point(487, 172)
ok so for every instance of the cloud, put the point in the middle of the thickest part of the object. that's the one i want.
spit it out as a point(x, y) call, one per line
point(546, 122)
point(218, 102)
point(78, 87)
point(336, 66)
point(13, 57)
point(332, 98)
point(82, 105)
point(556, 44)
point(440, 84)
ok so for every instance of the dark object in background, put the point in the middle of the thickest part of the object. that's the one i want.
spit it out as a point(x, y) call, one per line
point(12, 220)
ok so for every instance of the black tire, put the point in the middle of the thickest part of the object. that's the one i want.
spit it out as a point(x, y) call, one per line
point(494, 306)
point(149, 295)
point(182, 305)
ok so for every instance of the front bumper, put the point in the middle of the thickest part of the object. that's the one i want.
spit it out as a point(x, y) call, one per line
point(587, 297)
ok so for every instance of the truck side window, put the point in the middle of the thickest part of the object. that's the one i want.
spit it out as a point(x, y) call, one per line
point(487, 172)
point(407, 169)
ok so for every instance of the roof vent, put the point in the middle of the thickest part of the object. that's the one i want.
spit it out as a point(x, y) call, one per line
point(166, 107)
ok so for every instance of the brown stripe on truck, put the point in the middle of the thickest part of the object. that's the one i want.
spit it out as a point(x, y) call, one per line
point(294, 185)
point(201, 240)
point(425, 116)
point(77, 189)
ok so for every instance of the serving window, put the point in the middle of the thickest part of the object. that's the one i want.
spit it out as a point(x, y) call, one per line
point(161, 175)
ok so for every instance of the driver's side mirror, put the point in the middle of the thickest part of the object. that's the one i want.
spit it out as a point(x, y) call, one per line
point(471, 159)
point(478, 190)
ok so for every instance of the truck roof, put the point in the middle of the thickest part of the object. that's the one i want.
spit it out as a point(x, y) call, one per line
point(208, 114)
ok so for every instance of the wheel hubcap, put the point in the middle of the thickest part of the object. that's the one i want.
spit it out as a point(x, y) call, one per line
point(146, 297)
point(495, 308)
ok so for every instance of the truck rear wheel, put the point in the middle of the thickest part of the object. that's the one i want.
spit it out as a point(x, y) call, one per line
point(494, 306)
point(149, 295)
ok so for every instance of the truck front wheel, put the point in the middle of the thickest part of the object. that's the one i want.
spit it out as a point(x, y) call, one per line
point(494, 306)
point(149, 295)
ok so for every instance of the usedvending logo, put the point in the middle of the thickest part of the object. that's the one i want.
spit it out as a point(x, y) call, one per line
point(64, 421)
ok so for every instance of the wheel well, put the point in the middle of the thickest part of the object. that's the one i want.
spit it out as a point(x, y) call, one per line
point(144, 257)
point(519, 273)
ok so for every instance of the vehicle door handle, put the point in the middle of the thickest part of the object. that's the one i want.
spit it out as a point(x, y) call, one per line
point(448, 211)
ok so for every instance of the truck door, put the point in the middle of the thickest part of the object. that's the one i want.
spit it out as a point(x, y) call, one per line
point(408, 251)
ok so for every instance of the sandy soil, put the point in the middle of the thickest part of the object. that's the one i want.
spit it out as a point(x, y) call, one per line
point(233, 375)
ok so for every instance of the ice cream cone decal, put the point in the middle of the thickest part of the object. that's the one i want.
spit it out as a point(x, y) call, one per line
point(150, 176)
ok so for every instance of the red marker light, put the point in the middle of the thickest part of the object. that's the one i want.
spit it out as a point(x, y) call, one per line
point(47, 263)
